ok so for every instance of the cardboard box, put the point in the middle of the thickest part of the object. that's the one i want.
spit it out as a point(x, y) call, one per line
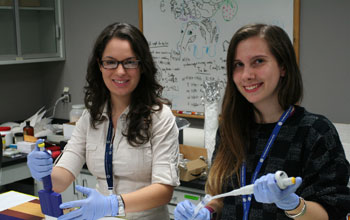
point(68, 129)
point(196, 165)
point(25, 147)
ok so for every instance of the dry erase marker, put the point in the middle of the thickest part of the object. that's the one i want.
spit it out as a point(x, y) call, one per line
point(185, 112)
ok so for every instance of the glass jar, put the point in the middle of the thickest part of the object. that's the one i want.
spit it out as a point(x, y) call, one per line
point(76, 112)
point(28, 129)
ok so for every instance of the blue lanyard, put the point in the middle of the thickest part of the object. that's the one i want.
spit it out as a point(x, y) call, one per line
point(109, 157)
point(247, 198)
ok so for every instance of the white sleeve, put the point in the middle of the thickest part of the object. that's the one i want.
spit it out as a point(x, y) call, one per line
point(165, 146)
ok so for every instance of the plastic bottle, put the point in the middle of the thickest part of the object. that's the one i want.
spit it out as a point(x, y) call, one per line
point(2, 140)
point(28, 130)
point(18, 137)
point(7, 135)
point(76, 112)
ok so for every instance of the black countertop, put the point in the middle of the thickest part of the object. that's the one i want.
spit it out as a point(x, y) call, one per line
point(8, 161)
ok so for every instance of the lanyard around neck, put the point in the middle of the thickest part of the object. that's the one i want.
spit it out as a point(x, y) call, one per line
point(109, 157)
point(247, 198)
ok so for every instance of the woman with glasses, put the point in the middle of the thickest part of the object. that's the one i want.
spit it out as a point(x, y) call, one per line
point(127, 137)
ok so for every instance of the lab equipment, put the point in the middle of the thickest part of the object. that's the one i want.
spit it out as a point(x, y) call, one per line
point(281, 178)
point(49, 200)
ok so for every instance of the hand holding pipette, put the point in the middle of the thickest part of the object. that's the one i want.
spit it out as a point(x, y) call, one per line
point(272, 188)
point(185, 209)
point(280, 178)
point(40, 163)
point(267, 191)
point(49, 200)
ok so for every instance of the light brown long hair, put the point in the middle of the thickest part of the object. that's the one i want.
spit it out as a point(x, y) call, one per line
point(238, 114)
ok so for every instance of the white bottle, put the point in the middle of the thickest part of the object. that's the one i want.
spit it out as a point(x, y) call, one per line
point(6, 134)
point(76, 112)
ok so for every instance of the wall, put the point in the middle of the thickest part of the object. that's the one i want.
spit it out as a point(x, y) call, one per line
point(324, 58)
point(21, 91)
point(83, 20)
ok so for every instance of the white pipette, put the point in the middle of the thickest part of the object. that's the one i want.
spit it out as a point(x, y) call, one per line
point(281, 178)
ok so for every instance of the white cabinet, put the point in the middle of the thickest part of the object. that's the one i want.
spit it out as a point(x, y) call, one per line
point(14, 173)
point(84, 179)
point(70, 193)
point(31, 31)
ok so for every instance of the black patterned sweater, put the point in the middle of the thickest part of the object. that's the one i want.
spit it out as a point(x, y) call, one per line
point(308, 146)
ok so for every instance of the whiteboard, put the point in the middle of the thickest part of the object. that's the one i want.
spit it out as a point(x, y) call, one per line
point(189, 40)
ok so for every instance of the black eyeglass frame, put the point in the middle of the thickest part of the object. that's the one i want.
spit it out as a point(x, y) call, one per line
point(123, 63)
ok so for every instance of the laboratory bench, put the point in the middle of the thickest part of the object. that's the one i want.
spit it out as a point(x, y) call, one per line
point(8, 161)
point(193, 190)
point(15, 170)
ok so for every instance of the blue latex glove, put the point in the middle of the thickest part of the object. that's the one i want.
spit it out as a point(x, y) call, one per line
point(40, 163)
point(95, 206)
point(184, 211)
point(266, 190)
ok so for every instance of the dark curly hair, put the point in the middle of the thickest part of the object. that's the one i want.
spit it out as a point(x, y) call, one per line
point(144, 99)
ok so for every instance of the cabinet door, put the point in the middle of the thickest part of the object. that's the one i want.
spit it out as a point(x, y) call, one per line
point(87, 180)
point(70, 194)
point(31, 31)
point(8, 48)
point(38, 30)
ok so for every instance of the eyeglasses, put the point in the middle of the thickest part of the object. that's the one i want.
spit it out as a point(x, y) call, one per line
point(113, 64)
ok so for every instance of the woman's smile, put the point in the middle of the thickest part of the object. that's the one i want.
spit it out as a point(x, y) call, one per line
point(252, 87)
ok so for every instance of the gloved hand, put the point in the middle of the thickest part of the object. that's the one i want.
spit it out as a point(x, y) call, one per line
point(266, 190)
point(184, 211)
point(40, 163)
point(95, 206)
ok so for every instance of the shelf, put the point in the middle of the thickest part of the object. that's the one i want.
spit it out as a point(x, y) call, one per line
point(37, 8)
point(6, 7)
